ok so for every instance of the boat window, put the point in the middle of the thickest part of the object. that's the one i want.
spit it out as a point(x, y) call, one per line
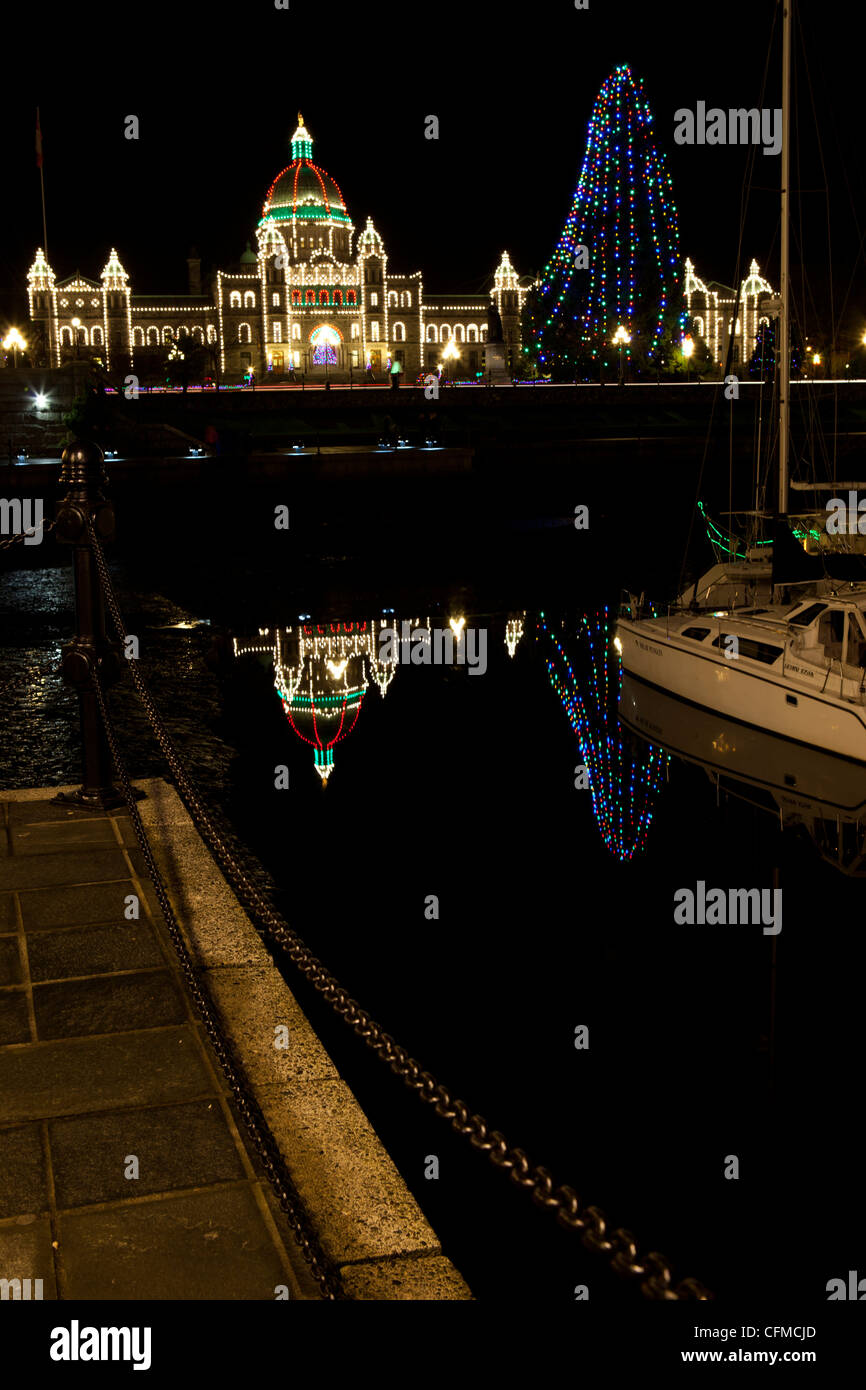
point(807, 615)
point(698, 633)
point(747, 646)
point(831, 632)
point(856, 643)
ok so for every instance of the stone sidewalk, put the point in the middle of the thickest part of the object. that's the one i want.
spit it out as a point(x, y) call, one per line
point(123, 1171)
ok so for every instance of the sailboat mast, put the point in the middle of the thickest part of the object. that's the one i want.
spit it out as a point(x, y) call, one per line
point(784, 316)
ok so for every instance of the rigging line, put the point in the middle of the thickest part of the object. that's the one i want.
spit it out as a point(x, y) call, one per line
point(829, 254)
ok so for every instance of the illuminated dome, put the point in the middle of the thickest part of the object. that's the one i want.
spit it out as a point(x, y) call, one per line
point(303, 191)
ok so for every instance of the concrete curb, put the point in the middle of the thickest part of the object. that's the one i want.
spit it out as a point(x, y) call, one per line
point(367, 1221)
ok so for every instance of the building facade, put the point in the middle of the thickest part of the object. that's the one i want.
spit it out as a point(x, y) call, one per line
point(313, 298)
point(719, 314)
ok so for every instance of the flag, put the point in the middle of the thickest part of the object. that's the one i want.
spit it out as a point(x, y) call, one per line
point(38, 141)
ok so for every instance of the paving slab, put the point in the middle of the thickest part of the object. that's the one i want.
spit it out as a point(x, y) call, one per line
point(55, 955)
point(14, 1017)
point(75, 1075)
point(40, 871)
point(210, 1244)
point(24, 1189)
point(90, 1153)
point(10, 961)
point(78, 905)
point(26, 1253)
point(107, 1004)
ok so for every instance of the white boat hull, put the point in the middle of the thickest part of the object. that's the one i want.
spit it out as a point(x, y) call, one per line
point(735, 688)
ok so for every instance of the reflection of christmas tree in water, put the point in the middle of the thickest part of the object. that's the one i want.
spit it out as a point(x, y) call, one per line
point(623, 782)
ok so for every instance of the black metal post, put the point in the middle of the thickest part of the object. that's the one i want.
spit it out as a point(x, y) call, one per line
point(83, 473)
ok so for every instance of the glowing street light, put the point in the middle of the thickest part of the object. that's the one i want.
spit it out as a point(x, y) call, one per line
point(620, 339)
point(450, 352)
point(816, 362)
point(688, 349)
point(15, 343)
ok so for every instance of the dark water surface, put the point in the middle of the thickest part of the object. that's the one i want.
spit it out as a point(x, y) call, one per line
point(463, 787)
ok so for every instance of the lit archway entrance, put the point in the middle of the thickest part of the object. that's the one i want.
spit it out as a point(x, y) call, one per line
point(325, 341)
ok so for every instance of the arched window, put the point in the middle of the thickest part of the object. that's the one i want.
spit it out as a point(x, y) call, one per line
point(183, 331)
point(399, 333)
point(138, 337)
point(351, 297)
point(296, 296)
point(444, 333)
point(66, 337)
point(472, 333)
point(198, 334)
point(406, 299)
point(235, 299)
point(275, 300)
point(96, 337)
point(243, 333)
point(296, 330)
point(483, 334)
point(459, 334)
point(311, 296)
point(356, 330)
point(153, 337)
point(374, 332)
point(374, 300)
point(277, 330)
point(338, 296)
point(249, 299)
point(167, 335)
point(211, 333)
point(323, 296)
point(392, 300)
point(432, 335)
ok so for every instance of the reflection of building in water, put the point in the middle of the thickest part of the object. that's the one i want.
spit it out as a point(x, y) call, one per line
point(322, 672)
point(624, 783)
point(514, 632)
point(801, 786)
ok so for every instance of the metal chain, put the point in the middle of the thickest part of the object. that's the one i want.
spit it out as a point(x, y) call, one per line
point(620, 1246)
point(21, 536)
point(267, 1150)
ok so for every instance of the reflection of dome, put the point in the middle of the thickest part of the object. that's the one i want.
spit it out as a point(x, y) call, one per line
point(322, 672)
point(302, 189)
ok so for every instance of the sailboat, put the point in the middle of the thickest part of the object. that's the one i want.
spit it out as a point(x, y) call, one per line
point(787, 658)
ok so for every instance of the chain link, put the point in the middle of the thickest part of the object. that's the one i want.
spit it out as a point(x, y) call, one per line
point(21, 536)
point(620, 1247)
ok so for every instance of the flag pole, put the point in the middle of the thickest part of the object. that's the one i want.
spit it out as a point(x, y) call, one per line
point(41, 183)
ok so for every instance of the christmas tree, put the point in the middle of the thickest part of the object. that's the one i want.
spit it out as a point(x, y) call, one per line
point(617, 263)
point(762, 364)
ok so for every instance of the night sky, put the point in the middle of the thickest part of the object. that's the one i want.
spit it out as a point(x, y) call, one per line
point(217, 89)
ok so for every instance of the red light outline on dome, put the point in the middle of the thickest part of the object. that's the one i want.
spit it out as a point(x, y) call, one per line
point(296, 165)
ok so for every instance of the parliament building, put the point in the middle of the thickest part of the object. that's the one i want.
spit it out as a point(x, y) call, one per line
point(314, 299)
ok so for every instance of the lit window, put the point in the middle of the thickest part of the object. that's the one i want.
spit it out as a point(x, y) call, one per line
point(249, 300)
point(235, 299)
point(356, 330)
point(374, 300)
point(243, 333)
point(374, 332)
point(275, 301)
point(278, 332)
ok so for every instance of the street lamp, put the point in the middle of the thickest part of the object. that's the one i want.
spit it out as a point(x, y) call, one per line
point(816, 362)
point(76, 324)
point(620, 339)
point(451, 352)
point(688, 349)
point(17, 344)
